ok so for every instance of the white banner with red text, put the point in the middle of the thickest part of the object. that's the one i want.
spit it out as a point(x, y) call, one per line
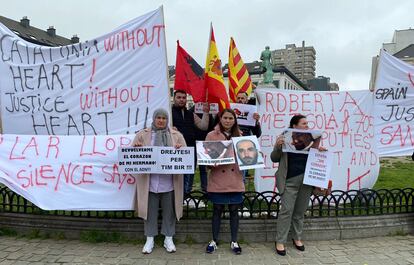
point(346, 122)
point(107, 85)
point(67, 172)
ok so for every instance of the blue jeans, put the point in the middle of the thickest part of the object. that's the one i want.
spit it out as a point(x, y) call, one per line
point(188, 183)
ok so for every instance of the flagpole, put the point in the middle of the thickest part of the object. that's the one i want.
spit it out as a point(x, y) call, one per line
point(166, 68)
point(208, 56)
point(381, 55)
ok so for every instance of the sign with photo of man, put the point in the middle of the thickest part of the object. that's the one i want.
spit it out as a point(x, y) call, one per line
point(215, 153)
point(248, 152)
point(244, 113)
point(301, 141)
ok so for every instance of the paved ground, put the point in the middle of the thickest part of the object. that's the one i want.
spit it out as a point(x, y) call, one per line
point(381, 250)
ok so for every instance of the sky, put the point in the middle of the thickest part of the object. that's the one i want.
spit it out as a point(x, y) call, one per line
point(346, 34)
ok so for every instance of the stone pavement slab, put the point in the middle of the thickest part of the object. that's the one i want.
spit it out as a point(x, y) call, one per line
point(379, 250)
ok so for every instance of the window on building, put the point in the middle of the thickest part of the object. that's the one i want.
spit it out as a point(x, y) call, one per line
point(276, 83)
point(16, 32)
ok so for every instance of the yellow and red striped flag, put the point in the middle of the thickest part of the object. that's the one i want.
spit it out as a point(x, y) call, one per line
point(239, 78)
point(214, 80)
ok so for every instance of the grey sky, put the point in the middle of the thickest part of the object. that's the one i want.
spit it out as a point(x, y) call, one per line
point(345, 34)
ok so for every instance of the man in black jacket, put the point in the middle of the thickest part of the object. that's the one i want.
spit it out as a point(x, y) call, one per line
point(186, 122)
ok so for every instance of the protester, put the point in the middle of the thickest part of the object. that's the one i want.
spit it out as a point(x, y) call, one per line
point(155, 188)
point(200, 135)
point(256, 130)
point(225, 183)
point(294, 194)
point(412, 156)
point(186, 121)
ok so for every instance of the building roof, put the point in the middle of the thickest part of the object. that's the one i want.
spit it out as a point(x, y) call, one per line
point(406, 52)
point(35, 35)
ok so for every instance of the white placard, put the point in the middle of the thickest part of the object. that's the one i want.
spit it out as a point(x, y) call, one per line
point(318, 168)
point(248, 152)
point(214, 108)
point(107, 85)
point(215, 153)
point(137, 160)
point(198, 108)
point(244, 113)
point(156, 160)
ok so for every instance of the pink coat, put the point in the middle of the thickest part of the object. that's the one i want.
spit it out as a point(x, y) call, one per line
point(223, 178)
point(143, 180)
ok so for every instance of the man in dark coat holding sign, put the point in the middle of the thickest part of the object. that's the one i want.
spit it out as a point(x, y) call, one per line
point(249, 130)
point(186, 122)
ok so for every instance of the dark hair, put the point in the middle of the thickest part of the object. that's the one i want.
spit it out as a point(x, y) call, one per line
point(246, 140)
point(235, 131)
point(295, 120)
point(179, 91)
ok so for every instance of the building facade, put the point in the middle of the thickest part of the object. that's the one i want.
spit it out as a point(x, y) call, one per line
point(301, 61)
point(401, 46)
point(322, 83)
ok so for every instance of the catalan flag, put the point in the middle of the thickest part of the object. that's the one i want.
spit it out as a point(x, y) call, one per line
point(214, 80)
point(239, 79)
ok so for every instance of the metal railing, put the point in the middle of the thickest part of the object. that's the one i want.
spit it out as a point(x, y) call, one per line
point(255, 205)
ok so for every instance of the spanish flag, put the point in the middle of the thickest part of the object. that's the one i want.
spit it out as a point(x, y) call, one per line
point(214, 80)
point(239, 79)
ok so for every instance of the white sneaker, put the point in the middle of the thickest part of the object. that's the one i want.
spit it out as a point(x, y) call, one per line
point(149, 245)
point(235, 247)
point(169, 244)
point(211, 247)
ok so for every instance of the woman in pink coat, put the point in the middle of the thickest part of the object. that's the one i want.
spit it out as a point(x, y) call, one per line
point(155, 188)
point(225, 183)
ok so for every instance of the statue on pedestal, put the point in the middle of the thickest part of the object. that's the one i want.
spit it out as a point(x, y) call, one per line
point(267, 65)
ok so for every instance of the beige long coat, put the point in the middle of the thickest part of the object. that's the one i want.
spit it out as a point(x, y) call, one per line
point(143, 180)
